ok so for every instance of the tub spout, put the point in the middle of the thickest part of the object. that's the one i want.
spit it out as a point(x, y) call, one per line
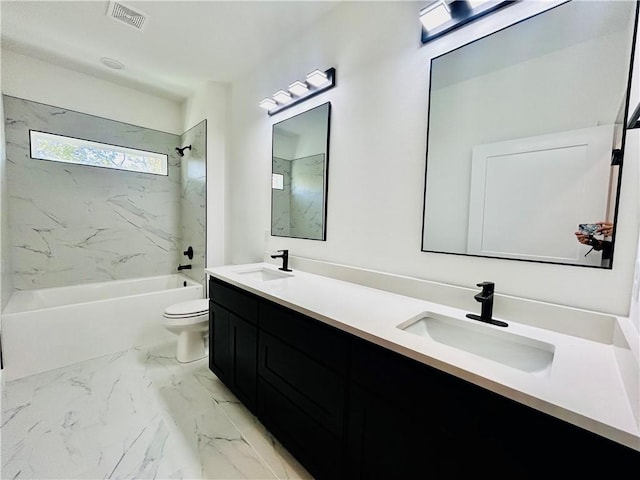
point(184, 267)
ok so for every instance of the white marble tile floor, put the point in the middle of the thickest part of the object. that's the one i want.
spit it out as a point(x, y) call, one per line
point(137, 414)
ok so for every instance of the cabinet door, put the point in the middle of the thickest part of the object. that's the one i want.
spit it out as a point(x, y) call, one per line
point(244, 353)
point(312, 445)
point(219, 347)
point(407, 420)
point(311, 386)
point(386, 440)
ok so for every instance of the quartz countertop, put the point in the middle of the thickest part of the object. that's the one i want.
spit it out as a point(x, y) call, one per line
point(584, 385)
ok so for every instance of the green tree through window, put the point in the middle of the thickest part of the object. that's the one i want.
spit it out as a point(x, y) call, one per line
point(58, 148)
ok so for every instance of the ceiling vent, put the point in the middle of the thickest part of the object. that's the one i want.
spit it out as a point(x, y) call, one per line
point(127, 15)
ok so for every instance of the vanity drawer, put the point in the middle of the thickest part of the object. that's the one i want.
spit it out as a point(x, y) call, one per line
point(235, 300)
point(391, 375)
point(320, 452)
point(320, 342)
point(311, 386)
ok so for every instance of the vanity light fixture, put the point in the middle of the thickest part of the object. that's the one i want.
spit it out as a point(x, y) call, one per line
point(476, 3)
point(282, 97)
point(317, 78)
point(443, 16)
point(268, 104)
point(317, 82)
point(298, 88)
point(435, 15)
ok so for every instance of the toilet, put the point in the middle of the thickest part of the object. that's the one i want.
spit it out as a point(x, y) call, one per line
point(190, 322)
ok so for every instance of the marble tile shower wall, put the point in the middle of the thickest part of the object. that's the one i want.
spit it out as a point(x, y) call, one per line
point(298, 207)
point(5, 257)
point(307, 187)
point(281, 211)
point(72, 224)
point(193, 199)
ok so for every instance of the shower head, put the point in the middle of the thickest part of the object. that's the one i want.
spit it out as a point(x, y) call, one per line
point(181, 150)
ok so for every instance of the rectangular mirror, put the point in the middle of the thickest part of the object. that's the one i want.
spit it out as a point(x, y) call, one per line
point(300, 160)
point(526, 136)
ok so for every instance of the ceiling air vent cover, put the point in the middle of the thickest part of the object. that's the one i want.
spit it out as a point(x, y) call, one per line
point(127, 15)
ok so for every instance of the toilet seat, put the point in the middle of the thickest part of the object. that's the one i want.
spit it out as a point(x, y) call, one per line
point(190, 322)
point(189, 309)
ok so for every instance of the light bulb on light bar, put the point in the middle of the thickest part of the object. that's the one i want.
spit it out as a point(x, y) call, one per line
point(298, 88)
point(476, 3)
point(317, 78)
point(282, 97)
point(435, 15)
point(317, 82)
point(268, 103)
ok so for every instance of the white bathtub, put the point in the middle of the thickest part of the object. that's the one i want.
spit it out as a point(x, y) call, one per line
point(53, 327)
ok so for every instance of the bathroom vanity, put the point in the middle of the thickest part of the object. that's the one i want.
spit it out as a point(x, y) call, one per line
point(344, 379)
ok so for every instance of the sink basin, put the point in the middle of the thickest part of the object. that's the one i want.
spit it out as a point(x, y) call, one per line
point(264, 274)
point(492, 343)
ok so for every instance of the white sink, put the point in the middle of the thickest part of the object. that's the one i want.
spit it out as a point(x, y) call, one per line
point(264, 274)
point(487, 341)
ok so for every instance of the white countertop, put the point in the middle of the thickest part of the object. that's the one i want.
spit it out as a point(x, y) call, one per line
point(584, 385)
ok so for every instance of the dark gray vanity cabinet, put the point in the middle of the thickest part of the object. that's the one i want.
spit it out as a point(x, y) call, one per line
point(302, 371)
point(233, 339)
point(409, 420)
point(347, 408)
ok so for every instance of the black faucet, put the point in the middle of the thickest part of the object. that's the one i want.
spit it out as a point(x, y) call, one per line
point(184, 267)
point(285, 260)
point(486, 300)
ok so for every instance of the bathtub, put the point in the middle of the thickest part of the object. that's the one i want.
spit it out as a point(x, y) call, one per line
point(54, 327)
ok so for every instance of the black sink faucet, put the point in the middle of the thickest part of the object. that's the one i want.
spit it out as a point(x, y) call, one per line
point(284, 255)
point(486, 301)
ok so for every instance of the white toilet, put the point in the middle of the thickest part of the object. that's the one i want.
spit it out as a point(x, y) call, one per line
point(190, 321)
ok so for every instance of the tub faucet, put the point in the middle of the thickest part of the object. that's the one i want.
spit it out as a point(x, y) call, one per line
point(486, 301)
point(285, 260)
point(184, 267)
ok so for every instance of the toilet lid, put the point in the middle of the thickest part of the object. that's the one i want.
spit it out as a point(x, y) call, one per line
point(188, 309)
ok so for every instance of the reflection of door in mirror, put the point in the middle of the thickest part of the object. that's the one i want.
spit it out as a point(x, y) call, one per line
point(299, 175)
point(513, 120)
point(563, 173)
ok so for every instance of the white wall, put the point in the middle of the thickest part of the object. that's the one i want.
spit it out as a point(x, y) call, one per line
point(32, 79)
point(377, 152)
point(211, 103)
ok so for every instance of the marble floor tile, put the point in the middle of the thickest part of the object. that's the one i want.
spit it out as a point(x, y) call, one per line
point(136, 414)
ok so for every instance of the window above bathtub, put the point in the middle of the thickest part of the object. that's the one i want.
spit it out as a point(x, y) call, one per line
point(58, 148)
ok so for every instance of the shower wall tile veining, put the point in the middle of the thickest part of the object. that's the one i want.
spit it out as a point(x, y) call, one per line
point(74, 224)
point(193, 199)
point(298, 206)
point(307, 187)
point(281, 198)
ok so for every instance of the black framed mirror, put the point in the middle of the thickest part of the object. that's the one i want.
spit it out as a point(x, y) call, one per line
point(526, 137)
point(300, 162)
